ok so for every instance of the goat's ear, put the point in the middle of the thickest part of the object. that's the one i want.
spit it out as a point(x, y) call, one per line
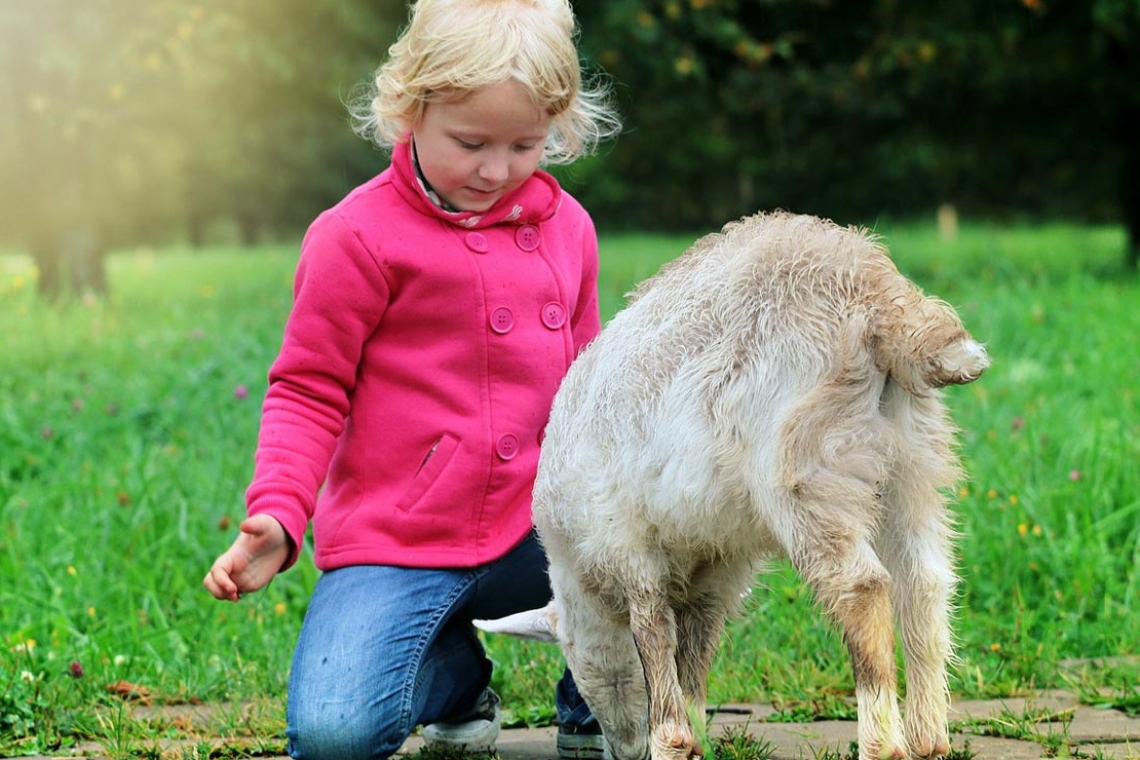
point(537, 625)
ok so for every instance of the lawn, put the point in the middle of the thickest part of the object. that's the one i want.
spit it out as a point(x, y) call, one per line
point(127, 427)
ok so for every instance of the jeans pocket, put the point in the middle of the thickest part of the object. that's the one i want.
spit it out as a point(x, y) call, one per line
point(433, 465)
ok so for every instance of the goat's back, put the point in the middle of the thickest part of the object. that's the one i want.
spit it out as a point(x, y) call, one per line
point(673, 425)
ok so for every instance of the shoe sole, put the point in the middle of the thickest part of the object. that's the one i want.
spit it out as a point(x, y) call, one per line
point(580, 747)
point(473, 738)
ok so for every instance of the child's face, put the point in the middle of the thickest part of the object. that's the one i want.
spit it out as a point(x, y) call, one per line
point(476, 150)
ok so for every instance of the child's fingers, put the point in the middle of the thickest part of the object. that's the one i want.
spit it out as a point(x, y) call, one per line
point(220, 585)
point(243, 567)
point(216, 589)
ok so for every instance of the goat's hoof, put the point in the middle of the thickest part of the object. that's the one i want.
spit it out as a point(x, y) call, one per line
point(675, 742)
point(885, 752)
point(930, 743)
point(931, 749)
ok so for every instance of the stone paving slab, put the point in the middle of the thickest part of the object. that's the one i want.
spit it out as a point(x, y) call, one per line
point(1093, 726)
point(1091, 732)
point(1097, 733)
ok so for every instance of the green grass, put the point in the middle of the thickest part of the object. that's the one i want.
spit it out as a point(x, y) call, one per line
point(1048, 728)
point(127, 428)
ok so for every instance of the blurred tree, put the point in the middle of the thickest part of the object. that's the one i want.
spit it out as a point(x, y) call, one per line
point(1026, 106)
point(70, 80)
point(737, 104)
point(856, 108)
point(1117, 44)
point(271, 127)
point(140, 122)
point(148, 121)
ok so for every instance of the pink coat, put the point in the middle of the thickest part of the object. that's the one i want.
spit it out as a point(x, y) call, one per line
point(417, 371)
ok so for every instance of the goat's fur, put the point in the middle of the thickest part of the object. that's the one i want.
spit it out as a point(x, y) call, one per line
point(770, 393)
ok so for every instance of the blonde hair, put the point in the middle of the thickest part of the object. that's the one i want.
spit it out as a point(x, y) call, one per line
point(453, 47)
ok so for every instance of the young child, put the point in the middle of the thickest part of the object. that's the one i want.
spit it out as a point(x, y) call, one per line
point(436, 309)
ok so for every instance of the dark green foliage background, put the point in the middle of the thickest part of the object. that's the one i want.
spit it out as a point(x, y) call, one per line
point(215, 120)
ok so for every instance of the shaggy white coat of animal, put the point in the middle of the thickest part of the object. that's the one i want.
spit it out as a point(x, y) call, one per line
point(773, 392)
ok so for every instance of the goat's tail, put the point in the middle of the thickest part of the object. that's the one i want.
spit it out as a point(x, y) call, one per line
point(920, 343)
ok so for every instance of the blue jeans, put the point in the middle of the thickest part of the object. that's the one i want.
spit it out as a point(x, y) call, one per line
point(383, 649)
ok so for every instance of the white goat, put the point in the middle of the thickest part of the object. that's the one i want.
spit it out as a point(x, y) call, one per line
point(770, 393)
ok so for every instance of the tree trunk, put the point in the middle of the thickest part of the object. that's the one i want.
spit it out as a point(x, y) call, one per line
point(1130, 188)
point(70, 265)
point(1124, 61)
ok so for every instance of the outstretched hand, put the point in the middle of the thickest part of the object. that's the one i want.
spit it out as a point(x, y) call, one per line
point(256, 555)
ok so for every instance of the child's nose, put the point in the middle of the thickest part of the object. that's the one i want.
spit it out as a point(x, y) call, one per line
point(495, 168)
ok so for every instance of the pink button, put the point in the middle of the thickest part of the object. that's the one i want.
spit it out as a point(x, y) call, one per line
point(527, 237)
point(553, 315)
point(477, 242)
point(502, 320)
point(507, 447)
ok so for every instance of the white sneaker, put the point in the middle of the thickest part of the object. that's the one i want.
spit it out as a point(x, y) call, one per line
point(475, 731)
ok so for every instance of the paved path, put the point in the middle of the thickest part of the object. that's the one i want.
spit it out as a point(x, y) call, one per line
point(1059, 726)
point(1075, 728)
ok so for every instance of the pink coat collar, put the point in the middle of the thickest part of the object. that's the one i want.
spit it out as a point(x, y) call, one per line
point(536, 200)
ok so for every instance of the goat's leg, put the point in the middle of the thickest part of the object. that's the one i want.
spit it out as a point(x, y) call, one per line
point(922, 586)
point(715, 590)
point(700, 624)
point(853, 586)
point(915, 547)
point(826, 518)
point(654, 629)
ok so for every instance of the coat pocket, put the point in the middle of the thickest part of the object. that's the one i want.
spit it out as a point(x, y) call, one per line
point(433, 465)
